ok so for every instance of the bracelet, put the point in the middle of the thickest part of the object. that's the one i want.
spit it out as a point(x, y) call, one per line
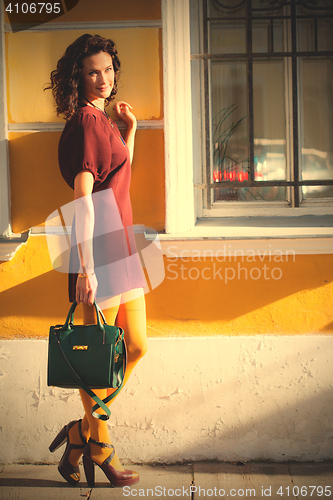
point(81, 275)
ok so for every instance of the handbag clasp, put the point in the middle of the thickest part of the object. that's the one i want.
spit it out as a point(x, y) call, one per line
point(80, 347)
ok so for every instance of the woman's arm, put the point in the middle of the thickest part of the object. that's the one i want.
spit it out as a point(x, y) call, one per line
point(86, 284)
point(123, 112)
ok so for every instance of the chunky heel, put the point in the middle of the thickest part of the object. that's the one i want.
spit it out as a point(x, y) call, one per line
point(68, 471)
point(59, 440)
point(89, 470)
point(118, 479)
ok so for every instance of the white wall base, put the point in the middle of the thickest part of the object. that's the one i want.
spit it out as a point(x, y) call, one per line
point(225, 398)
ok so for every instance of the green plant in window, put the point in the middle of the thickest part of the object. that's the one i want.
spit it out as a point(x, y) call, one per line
point(221, 137)
point(226, 167)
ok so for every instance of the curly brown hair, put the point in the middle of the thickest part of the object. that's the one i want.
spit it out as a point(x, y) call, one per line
point(66, 82)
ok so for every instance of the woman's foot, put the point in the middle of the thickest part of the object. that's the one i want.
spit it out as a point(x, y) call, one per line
point(99, 454)
point(118, 478)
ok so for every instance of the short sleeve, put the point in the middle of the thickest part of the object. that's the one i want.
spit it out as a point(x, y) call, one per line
point(85, 146)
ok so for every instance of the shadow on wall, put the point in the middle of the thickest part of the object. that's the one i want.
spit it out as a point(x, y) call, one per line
point(42, 297)
point(293, 432)
point(224, 398)
point(210, 290)
point(305, 281)
point(233, 399)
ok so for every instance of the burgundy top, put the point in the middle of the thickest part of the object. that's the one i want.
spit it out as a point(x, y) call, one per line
point(90, 142)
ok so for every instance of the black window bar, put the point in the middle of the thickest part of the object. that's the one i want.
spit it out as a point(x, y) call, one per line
point(251, 14)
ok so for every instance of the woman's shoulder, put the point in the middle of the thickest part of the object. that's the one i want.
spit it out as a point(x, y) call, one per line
point(86, 118)
point(87, 114)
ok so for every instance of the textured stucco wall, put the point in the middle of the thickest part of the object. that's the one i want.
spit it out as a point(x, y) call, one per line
point(227, 398)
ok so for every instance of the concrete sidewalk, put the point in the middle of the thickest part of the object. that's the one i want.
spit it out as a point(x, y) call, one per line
point(204, 480)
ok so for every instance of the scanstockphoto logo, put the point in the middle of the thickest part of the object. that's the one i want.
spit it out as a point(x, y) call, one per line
point(120, 254)
point(23, 15)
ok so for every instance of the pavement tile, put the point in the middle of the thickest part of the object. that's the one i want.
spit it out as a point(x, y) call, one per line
point(156, 481)
point(41, 482)
point(270, 479)
point(315, 478)
point(221, 480)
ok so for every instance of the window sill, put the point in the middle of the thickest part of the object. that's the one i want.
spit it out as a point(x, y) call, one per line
point(10, 244)
point(302, 235)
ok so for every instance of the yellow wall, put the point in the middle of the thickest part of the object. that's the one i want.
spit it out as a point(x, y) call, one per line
point(34, 296)
point(37, 188)
point(140, 56)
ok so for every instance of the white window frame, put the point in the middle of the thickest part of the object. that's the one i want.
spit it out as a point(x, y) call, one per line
point(4, 172)
point(183, 209)
point(9, 242)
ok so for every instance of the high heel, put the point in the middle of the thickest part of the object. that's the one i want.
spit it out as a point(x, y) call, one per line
point(68, 471)
point(117, 478)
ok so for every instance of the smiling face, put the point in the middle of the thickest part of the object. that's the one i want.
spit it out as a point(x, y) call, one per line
point(97, 78)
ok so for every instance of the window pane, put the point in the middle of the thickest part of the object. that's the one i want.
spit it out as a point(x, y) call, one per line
point(316, 104)
point(306, 35)
point(269, 122)
point(229, 120)
point(260, 36)
point(325, 34)
point(262, 39)
point(227, 38)
point(306, 31)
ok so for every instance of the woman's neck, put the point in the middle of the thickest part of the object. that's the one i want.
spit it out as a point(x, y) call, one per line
point(96, 103)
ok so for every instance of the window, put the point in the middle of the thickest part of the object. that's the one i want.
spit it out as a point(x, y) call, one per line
point(262, 95)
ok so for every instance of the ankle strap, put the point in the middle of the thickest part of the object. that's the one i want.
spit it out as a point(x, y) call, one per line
point(83, 439)
point(102, 445)
point(76, 446)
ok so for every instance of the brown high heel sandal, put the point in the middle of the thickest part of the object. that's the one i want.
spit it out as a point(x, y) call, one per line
point(116, 477)
point(68, 471)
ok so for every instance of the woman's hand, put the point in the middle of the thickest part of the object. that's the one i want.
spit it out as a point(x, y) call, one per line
point(86, 290)
point(124, 114)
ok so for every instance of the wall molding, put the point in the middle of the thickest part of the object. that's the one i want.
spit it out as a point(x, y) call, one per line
point(231, 249)
point(58, 126)
point(94, 25)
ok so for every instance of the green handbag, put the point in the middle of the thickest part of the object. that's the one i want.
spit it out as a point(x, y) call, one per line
point(87, 357)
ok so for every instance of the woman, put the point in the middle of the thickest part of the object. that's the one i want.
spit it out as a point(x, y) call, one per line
point(96, 162)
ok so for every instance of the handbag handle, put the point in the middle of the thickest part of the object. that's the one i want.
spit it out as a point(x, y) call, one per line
point(70, 317)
